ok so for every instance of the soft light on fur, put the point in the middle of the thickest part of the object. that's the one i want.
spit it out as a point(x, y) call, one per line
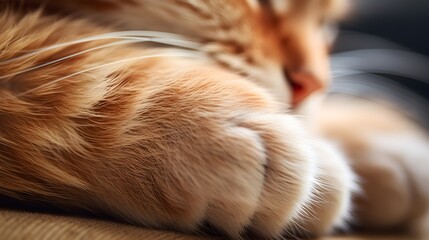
point(96, 117)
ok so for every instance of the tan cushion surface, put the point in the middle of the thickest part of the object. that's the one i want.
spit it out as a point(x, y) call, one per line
point(35, 226)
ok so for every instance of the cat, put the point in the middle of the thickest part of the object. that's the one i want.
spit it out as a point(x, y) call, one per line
point(190, 121)
point(390, 154)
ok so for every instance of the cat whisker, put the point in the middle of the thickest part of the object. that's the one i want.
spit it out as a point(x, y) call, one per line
point(360, 82)
point(371, 85)
point(164, 37)
point(176, 54)
point(131, 40)
point(384, 61)
point(70, 56)
point(365, 73)
point(149, 36)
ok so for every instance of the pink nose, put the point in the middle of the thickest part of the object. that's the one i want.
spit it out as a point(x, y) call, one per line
point(304, 83)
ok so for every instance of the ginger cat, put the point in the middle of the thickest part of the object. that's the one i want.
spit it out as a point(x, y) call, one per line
point(190, 121)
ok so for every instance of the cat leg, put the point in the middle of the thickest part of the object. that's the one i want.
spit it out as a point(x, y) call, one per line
point(207, 146)
point(389, 154)
point(225, 154)
point(146, 137)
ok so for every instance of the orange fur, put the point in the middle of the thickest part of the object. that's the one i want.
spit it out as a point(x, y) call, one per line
point(163, 142)
point(172, 137)
point(389, 152)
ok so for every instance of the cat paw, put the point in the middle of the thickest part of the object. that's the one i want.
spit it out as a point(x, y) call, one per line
point(389, 153)
point(223, 153)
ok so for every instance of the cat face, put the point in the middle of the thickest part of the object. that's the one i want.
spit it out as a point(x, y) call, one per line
point(282, 45)
point(306, 31)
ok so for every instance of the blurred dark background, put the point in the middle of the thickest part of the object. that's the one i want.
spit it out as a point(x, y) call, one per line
point(383, 51)
point(405, 22)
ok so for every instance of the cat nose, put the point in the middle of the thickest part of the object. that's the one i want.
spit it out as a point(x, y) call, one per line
point(304, 83)
point(306, 63)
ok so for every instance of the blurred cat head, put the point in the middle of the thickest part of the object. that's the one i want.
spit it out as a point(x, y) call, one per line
point(282, 45)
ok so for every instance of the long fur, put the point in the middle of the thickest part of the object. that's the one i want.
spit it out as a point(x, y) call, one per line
point(172, 130)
